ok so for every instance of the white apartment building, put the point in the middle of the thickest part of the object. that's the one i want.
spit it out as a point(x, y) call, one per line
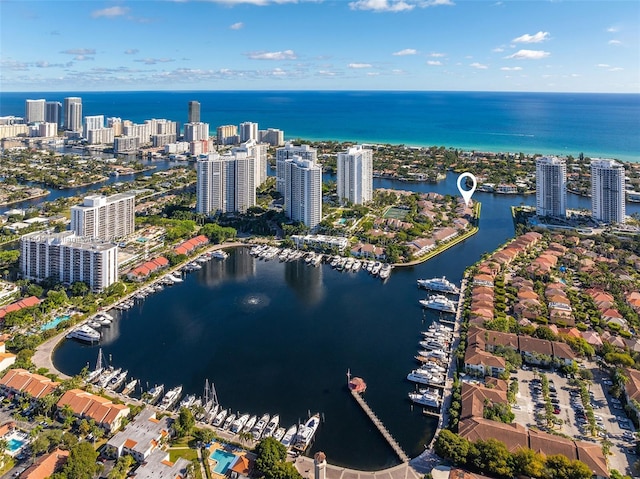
point(355, 175)
point(68, 258)
point(47, 130)
point(196, 131)
point(607, 191)
point(104, 218)
point(303, 191)
point(287, 152)
point(115, 123)
point(259, 153)
point(126, 144)
point(137, 130)
point(100, 136)
point(225, 184)
point(34, 111)
point(248, 131)
point(73, 113)
point(227, 135)
point(94, 122)
point(551, 186)
point(10, 131)
point(273, 136)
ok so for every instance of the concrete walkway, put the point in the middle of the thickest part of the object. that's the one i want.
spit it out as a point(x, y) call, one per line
point(304, 465)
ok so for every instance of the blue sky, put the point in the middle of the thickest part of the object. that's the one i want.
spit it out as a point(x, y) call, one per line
point(565, 46)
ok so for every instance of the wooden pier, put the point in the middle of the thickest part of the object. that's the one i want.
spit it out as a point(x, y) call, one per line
point(426, 412)
point(378, 423)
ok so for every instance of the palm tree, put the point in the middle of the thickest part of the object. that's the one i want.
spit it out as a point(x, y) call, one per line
point(245, 437)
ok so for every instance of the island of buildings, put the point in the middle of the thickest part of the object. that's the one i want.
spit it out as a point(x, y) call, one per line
point(539, 302)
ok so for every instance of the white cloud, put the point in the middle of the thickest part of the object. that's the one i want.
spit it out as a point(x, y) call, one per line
point(359, 65)
point(479, 66)
point(603, 65)
point(535, 38)
point(406, 51)
point(396, 5)
point(260, 3)
point(82, 58)
point(616, 69)
point(614, 42)
point(373, 74)
point(154, 61)
point(278, 72)
point(498, 50)
point(110, 12)
point(613, 29)
point(529, 55)
point(131, 51)
point(79, 51)
point(236, 26)
point(283, 55)
point(511, 69)
point(326, 73)
point(434, 63)
point(437, 55)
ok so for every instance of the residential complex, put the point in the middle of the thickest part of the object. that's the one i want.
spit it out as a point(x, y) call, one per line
point(259, 152)
point(104, 218)
point(273, 136)
point(34, 111)
point(607, 191)
point(303, 191)
point(194, 112)
point(53, 113)
point(248, 131)
point(196, 131)
point(355, 175)
point(67, 258)
point(226, 184)
point(551, 186)
point(93, 122)
point(288, 152)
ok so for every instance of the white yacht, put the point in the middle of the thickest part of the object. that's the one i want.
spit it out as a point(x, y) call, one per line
point(250, 423)
point(272, 427)
point(220, 417)
point(426, 398)
point(171, 398)
point(438, 284)
point(154, 393)
point(432, 344)
point(259, 427)
point(385, 271)
point(231, 418)
point(220, 254)
point(287, 439)
point(84, 333)
point(439, 302)
point(188, 401)
point(424, 377)
point(239, 423)
point(279, 434)
point(130, 386)
point(306, 433)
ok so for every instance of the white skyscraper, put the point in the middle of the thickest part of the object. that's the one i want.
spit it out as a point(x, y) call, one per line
point(607, 191)
point(73, 113)
point(67, 258)
point(225, 184)
point(104, 218)
point(355, 175)
point(248, 131)
point(551, 186)
point(196, 131)
point(303, 191)
point(34, 111)
point(259, 152)
point(287, 152)
point(94, 122)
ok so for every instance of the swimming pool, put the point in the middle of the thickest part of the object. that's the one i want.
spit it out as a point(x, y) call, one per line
point(223, 459)
point(15, 442)
point(53, 323)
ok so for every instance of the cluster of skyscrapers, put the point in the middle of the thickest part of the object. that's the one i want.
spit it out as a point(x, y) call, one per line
point(607, 189)
point(85, 253)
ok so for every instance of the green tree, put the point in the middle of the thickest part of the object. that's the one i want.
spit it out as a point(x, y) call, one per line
point(528, 463)
point(185, 423)
point(561, 467)
point(269, 453)
point(452, 447)
point(121, 469)
point(492, 457)
point(81, 463)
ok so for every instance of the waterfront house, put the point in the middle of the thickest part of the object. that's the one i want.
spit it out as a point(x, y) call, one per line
point(369, 251)
point(46, 465)
point(140, 437)
point(481, 363)
point(476, 397)
point(85, 405)
point(189, 246)
point(158, 466)
point(18, 305)
point(142, 272)
point(21, 383)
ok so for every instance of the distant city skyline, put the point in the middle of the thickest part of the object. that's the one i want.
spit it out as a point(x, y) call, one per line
point(541, 46)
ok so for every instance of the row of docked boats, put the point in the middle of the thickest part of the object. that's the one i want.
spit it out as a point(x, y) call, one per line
point(89, 331)
point(439, 302)
point(375, 268)
point(112, 379)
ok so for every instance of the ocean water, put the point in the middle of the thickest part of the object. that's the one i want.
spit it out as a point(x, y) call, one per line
point(598, 125)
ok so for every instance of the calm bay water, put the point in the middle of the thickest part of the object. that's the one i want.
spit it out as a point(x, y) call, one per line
point(279, 337)
point(603, 125)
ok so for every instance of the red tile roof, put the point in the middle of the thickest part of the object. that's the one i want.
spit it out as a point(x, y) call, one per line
point(18, 305)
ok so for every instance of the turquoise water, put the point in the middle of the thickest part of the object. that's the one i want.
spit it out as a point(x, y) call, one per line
point(224, 459)
point(53, 323)
point(604, 125)
point(14, 444)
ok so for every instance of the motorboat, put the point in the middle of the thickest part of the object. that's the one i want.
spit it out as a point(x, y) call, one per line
point(219, 254)
point(258, 429)
point(239, 423)
point(228, 422)
point(424, 377)
point(250, 423)
point(94, 375)
point(439, 302)
point(220, 417)
point(431, 345)
point(154, 393)
point(306, 433)
point(438, 284)
point(272, 427)
point(188, 401)
point(385, 271)
point(279, 434)
point(289, 436)
point(426, 398)
point(84, 333)
point(171, 398)
point(129, 386)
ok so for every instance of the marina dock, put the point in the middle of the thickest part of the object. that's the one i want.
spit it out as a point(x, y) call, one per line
point(378, 423)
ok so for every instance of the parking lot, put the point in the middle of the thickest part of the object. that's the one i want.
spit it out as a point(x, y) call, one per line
point(611, 420)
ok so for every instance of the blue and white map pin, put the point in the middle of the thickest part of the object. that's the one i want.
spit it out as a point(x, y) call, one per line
point(466, 194)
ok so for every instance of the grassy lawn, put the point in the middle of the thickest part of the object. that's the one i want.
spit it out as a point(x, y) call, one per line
point(188, 454)
point(9, 462)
